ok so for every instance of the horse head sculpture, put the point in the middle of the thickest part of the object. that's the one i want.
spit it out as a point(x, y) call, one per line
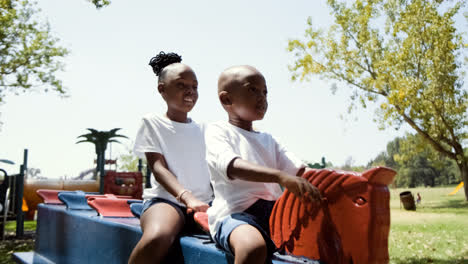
point(350, 225)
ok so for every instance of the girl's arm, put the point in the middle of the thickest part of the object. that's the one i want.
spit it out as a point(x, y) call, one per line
point(164, 176)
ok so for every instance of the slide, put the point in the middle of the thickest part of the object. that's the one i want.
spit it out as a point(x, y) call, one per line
point(456, 189)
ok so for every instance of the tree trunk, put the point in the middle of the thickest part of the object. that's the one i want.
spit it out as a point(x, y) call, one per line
point(463, 166)
point(101, 171)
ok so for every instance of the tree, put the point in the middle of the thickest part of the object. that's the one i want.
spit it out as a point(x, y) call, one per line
point(417, 164)
point(100, 139)
point(407, 56)
point(100, 3)
point(29, 54)
point(129, 161)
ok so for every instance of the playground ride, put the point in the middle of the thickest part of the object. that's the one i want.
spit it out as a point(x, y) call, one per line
point(31, 186)
point(11, 193)
point(350, 226)
point(456, 189)
point(119, 183)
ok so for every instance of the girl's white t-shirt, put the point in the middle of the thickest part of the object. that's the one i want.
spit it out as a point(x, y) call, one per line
point(183, 147)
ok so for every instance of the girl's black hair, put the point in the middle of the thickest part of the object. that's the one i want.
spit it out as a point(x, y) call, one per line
point(162, 60)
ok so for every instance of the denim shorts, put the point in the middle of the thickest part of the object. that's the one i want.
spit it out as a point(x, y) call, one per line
point(257, 215)
point(189, 223)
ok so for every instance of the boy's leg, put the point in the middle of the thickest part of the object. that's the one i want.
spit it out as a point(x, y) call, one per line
point(248, 245)
point(161, 223)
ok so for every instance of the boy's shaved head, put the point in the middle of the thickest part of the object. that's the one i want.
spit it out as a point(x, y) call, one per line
point(232, 77)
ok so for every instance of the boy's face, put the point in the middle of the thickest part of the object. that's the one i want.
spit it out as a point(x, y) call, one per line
point(249, 97)
point(180, 88)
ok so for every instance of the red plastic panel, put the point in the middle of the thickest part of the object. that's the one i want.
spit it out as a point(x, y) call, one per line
point(49, 196)
point(124, 183)
point(108, 195)
point(110, 207)
point(201, 218)
point(351, 225)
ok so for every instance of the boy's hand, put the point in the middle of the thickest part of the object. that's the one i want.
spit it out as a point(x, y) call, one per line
point(301, 188)
point(193, 204)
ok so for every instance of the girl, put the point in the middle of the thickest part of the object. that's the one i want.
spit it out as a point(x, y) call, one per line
point(174, 148)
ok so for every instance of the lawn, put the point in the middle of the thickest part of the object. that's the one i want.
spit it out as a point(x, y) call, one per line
point(437, 232)
point(11, 244)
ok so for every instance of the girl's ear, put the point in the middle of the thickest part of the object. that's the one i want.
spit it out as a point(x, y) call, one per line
point(225, 98)
point(161, 88)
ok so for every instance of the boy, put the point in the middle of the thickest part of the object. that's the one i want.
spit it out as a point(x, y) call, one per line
point(247, 168)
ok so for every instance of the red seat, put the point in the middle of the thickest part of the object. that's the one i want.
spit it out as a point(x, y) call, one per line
point(110, 207)
point(49, 196)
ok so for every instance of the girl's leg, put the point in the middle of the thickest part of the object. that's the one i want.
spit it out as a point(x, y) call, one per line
point(248, 245)
point(161, 224)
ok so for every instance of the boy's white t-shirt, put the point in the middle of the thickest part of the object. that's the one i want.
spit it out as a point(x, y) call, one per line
point(183, 147)
point(226, 142)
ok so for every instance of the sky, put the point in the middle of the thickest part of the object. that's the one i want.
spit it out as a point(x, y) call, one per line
point(110, 84)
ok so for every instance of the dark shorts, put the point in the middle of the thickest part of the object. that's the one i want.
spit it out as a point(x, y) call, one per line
point(189, 224)
point(257, 215)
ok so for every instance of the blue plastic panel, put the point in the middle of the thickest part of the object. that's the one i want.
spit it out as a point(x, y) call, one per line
point(74, 200)
point(80, 236)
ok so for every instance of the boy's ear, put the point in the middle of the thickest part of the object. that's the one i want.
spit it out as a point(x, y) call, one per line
point(225, 98)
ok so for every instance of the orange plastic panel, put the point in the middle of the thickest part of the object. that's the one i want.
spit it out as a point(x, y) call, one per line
point(110, 207)
point(350, 225)
point(49, 196)
point(124, 183)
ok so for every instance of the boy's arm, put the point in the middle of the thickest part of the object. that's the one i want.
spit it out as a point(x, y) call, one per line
point(168, 180)
point(247, 171)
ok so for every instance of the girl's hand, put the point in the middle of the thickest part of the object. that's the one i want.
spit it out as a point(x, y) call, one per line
point(193, 204)
point(300, 187)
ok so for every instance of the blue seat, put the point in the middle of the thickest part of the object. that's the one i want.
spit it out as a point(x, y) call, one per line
point(74, 200)
point(80, 236)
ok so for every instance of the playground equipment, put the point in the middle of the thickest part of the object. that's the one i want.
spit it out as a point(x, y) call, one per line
point(350, 226)
point(456, 189)
point(119, 183)
point(33, 199)
point(11, 193)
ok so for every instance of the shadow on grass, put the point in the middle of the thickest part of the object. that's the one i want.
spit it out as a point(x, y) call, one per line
point(429, 260)
point(455, 204)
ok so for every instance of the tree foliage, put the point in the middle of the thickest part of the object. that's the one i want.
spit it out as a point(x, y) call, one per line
point(405, 55)
point(416, 163)
point(101, 139)
point(100, 3)
point(29, 54)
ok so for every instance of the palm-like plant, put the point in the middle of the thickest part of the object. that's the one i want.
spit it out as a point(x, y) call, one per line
point(100, 139)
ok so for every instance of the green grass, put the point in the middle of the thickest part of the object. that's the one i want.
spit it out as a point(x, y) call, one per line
point(11, 245)
point(437, 232)
point(28, 226)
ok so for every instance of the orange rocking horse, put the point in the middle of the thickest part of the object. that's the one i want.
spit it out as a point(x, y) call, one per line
point(351, 225)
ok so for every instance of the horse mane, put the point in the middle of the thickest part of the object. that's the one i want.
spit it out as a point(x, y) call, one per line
point(293, 217)
point(332, 183)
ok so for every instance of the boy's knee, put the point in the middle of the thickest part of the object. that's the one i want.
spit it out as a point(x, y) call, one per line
point(247, 240)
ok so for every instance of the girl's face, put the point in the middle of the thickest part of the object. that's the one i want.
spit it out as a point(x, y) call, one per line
point(179, 90)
